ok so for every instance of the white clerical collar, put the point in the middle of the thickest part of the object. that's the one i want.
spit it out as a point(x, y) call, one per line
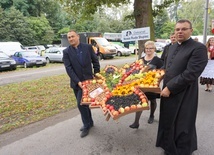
point(183, 41)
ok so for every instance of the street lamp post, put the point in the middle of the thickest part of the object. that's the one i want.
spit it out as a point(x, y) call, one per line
point(205, 22)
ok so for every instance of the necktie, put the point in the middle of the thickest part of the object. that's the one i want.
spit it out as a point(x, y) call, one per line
point(79, 55)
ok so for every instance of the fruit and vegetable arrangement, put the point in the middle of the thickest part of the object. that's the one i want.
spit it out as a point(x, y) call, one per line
point(118, 92)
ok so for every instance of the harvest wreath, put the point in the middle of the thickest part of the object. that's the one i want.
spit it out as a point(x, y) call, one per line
point(118, 92)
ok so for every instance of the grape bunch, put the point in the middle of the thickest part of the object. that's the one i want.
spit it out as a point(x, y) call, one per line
point(128, 69)
point(110, 70)
point(135, 71)
point(123, 101)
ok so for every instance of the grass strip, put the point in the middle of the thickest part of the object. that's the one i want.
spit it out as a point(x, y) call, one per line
point(27, 102)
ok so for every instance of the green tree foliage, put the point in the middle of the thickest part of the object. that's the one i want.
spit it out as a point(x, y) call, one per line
point(89, 7)
point(6, 4)
point(159, 8)
point(159, 22)
point(22, 6)
point(56, 15)
point(27, 30)
point(167, 29)
point(91, 15)
point(196, 16)
point(13, 27)
point(43, 33)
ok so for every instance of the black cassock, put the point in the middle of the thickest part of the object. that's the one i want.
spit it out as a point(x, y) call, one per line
point(177, 131)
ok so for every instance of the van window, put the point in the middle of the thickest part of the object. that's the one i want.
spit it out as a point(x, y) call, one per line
point(93, 42)
point(102, 41)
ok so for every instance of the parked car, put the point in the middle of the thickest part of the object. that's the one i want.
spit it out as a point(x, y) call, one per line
point(10, 48)
point(54, 54)
point(160, 46)
point(39, 49)
point(29, 59)
point(6, 63)
point(122, 51)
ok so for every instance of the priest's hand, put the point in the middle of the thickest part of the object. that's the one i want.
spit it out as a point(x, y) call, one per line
point(165, 92)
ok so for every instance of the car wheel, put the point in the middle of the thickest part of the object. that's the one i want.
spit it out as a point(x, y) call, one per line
point(48, 60)
point(119, 54)
point(101, 56)
point(98, 57)
point(25, 65)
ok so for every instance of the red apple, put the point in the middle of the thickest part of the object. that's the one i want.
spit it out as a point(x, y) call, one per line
point(127, 108)
point(133, 107)
point(115, 113)
point(111, 108)
point(92, 99)
point(108, 105)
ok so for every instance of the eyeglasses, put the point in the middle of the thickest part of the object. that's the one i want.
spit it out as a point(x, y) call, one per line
point(149, 48)
point(182, 29)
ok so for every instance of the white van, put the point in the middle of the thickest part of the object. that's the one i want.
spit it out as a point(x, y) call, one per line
point(10, 48)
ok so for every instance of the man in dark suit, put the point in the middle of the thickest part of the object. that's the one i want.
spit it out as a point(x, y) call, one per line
point(166, 48)
point(79, 58)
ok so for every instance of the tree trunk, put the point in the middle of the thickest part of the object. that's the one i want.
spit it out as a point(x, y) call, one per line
point(143, 18)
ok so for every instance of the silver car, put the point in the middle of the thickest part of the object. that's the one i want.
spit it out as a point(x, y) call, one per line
point(54, 54)
point(39, 49)
point(122, 51)
point(160, 46)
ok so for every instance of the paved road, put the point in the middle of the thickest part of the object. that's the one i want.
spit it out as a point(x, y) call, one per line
point(31, 74)
point(106, 138)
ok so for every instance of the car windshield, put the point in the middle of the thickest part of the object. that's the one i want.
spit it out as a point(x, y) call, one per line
point(102, 41)
point(29, 54)
point(3, 55)
point(41, 47)
point(118, 46)
point(160, 44)
point(62, 48)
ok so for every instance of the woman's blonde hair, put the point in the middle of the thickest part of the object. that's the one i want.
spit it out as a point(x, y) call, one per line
point(152, 43)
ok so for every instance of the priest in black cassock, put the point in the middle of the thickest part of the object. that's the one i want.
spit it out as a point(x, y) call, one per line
point(185, 62)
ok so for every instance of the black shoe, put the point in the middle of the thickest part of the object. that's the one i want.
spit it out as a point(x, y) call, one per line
point(134, 126)
point(84, 133)
point(151, 120)
point(82, 128)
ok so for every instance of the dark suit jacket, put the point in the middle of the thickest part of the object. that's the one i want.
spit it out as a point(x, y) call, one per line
point(77, 71)
point(165, 52)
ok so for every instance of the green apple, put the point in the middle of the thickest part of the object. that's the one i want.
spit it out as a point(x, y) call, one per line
point(144, 104)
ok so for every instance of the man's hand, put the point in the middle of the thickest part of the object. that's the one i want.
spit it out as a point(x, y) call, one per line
point(165, 92)
point(80, 84)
